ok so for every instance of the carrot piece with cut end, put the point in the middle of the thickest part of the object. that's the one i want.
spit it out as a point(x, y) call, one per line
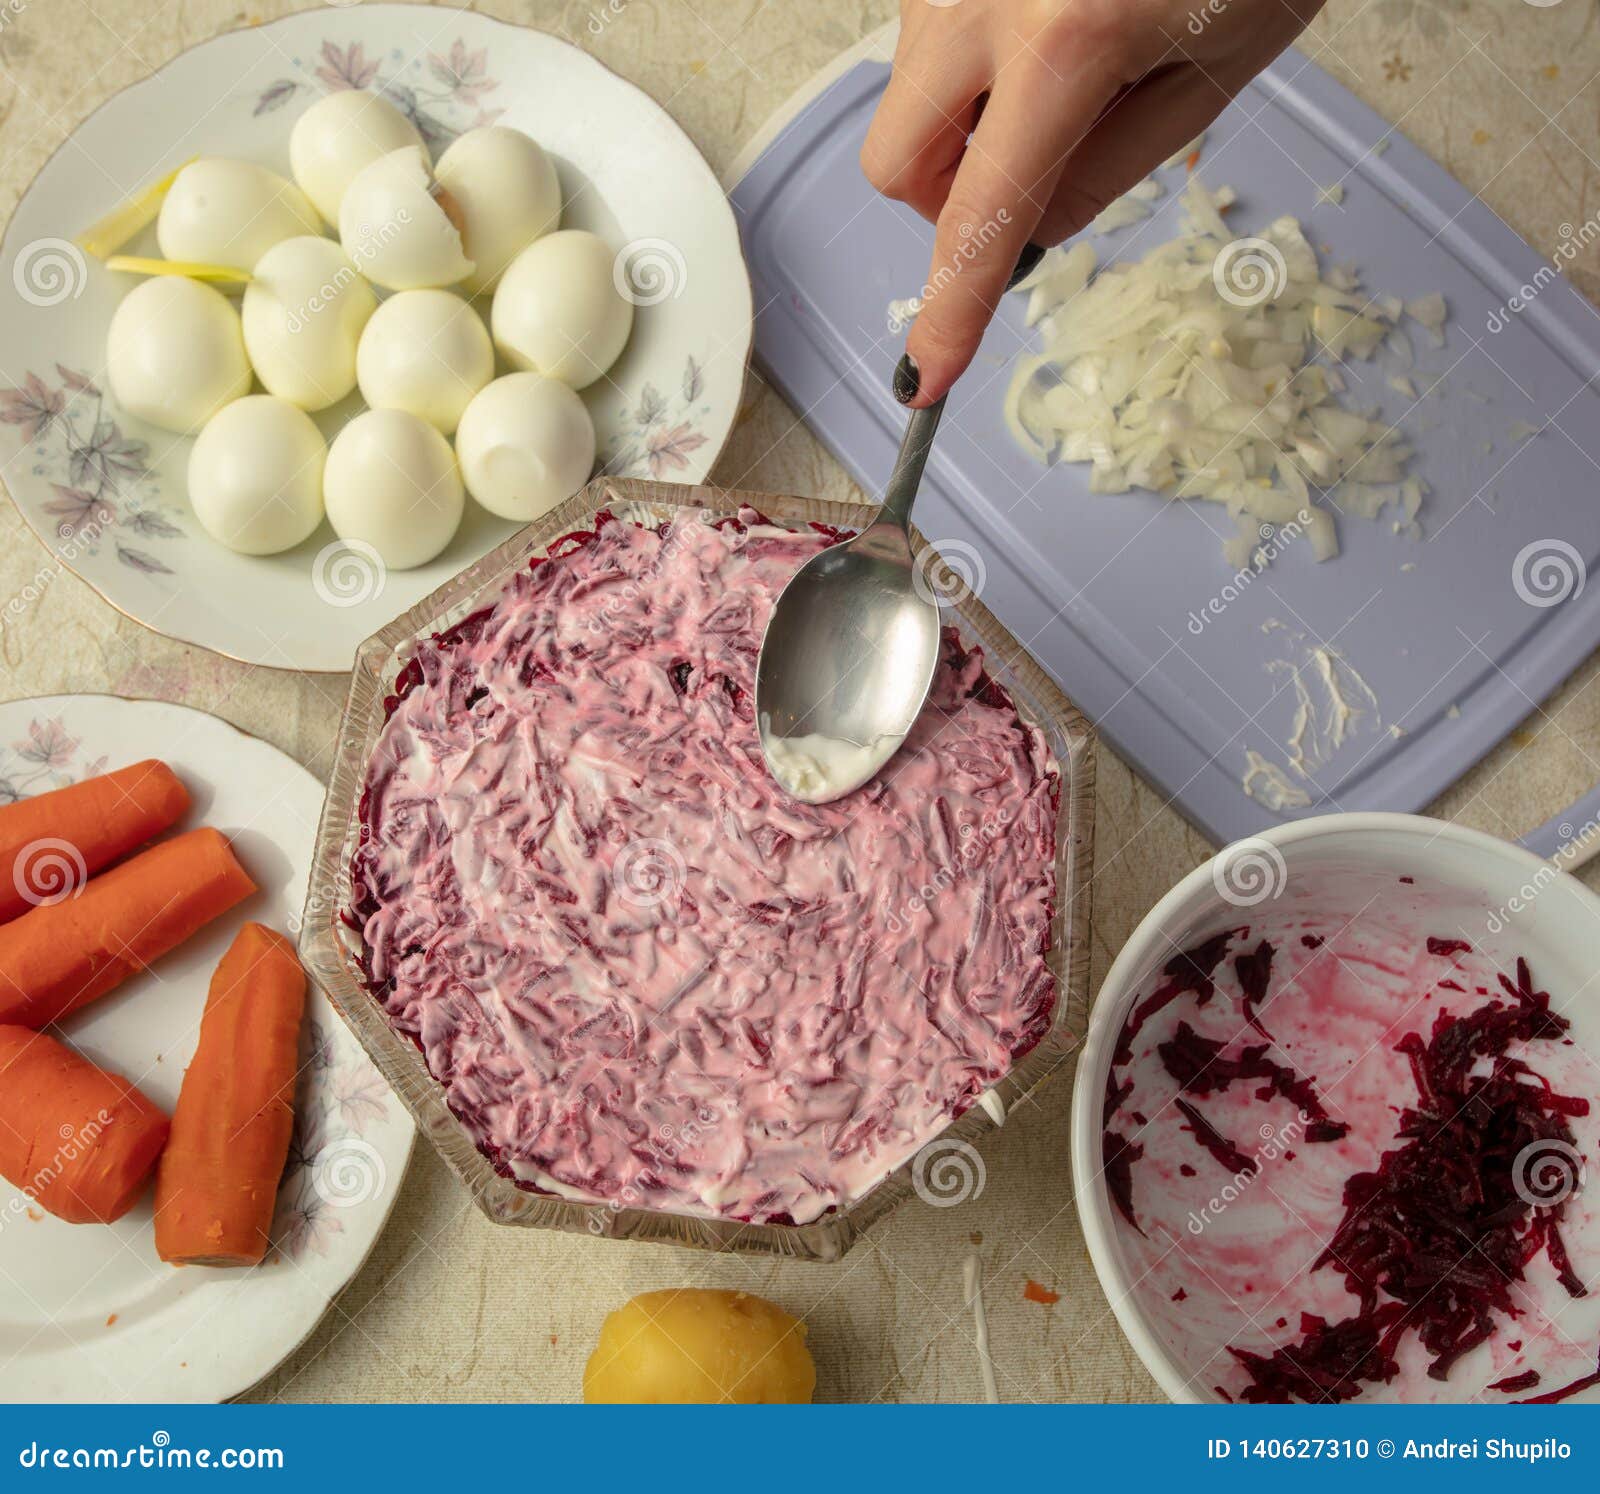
point(218, 1180)
point(61, 956)
point(78, 1140)
point(50, 843)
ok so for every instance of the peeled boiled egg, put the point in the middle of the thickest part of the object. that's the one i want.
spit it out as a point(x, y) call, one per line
point(255, 475)
point(337, 136)
point(222, 212)
point(525, 443)
point(425, 351)
point(391, 482)
point(558, 311)
point(303, 313)
point(175, 353)
point(506, 189)
point(395, 227)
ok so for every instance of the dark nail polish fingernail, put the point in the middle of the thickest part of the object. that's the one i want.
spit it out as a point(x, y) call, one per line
point(907, 379)
point(1026, 263)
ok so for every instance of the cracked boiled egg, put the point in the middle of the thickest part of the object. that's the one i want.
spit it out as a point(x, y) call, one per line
point(303, 313)
point(175, 353)
point(337, 136)
point(506, 189)
point(398, 228)
point(222, 212)
point(558, 311)
point(391, 482)
point(425, 351)
point(255, 475)
point(525, 444)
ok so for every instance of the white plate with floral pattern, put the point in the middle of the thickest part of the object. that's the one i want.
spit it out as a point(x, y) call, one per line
point(88, 1311)
point(106, 493)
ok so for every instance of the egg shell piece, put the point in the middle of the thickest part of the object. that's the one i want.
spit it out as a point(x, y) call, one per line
point(220, 211)
point(393, 228)
point(339, 135)
point(175, 353)
point(525, 444)
point(391, 482)
point(426, 351)
point(303, 314)
point(508, 195)
point(558, 310)
point(255, 475)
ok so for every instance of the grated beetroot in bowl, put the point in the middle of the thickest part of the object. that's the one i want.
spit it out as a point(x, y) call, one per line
point(1225, 1151)
point(1190, 972)
point(1564, 1392)
point(1435, 1237)
point(1432, 1240)
point(1201, 1067)
point(1198, 1064)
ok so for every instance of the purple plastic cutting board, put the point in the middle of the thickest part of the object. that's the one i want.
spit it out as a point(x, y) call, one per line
point(1102, 588)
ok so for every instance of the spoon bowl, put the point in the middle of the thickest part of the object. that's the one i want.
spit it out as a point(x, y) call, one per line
point(840, 683)
point(850, 649)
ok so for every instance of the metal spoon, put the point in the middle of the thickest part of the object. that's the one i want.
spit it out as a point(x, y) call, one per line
point(850, 648)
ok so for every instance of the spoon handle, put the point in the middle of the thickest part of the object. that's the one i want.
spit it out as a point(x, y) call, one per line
point(901, 489)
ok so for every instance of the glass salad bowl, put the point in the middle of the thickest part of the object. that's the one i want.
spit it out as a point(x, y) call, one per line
point(331, 949)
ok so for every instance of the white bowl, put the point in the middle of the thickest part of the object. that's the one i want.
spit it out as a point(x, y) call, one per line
point(1514, 903)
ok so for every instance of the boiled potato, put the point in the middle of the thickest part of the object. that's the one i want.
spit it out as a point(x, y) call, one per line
point(694, 1346)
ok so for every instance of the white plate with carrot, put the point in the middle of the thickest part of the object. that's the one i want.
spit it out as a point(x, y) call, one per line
point(154, 1248)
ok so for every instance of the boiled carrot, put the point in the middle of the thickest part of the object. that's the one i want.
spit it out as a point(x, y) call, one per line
point(218, 1179)
point(78, 1140)
point(60, 956)
point(50, 844)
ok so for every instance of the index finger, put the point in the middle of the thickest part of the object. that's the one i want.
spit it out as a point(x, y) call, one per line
point(1001, 188)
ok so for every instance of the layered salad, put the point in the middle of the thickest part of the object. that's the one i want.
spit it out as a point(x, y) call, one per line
point(642, 973)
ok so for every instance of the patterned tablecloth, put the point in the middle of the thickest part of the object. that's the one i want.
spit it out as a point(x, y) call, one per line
point(1504, 93)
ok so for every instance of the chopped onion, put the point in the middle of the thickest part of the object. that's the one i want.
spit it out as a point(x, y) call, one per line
point(1430, 312)
point(1120, 212)
point(1188, 373)
point(1192, 149)
point(1057, 279)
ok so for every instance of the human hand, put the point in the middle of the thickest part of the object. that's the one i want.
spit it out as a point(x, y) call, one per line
point(1007, 121)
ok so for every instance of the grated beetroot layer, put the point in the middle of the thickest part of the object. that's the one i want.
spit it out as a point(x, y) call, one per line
point(640, 971)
